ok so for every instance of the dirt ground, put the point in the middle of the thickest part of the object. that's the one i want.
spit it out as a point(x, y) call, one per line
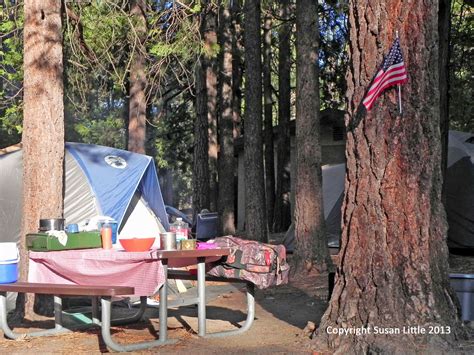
point(282, 314)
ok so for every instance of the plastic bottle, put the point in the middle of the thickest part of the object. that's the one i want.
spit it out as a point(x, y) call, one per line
point(180, 228)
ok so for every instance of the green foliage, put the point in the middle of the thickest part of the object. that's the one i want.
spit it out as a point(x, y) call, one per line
point(11, 73)
point(461, 89)
point(173, 144)
point(332, 53)
point(108, 132)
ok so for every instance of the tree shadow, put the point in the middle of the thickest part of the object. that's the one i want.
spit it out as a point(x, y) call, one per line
point(234, 317)
point(361, 112)
point(293, 304)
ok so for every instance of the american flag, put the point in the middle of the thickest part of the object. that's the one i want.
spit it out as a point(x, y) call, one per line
point(391, 73)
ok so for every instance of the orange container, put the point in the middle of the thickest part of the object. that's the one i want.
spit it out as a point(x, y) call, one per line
point(137, 244)
point(106, 234)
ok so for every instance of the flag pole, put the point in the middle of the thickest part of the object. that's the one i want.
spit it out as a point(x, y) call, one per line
point(399, 89)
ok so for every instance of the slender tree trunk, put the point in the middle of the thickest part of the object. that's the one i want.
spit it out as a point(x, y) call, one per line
point(150, 147)
point(138, 81)
point(125, 112)
point(226, 196)
point(310, 234)
point(201, 144)
point(237, 67)
point(268, 119)
point(393, 271)
point(43, 121)
point(210, 65)
point(444, 29)
point(282, 211)
point(255, 211)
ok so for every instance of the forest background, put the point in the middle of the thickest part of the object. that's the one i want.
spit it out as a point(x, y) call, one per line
point(101, 38)
point(184, 81)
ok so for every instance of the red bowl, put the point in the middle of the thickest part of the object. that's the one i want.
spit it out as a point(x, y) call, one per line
point(137, 244)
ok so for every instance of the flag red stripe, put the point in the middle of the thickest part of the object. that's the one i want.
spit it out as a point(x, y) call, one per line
point(391, 72)
point(383, 85)
point(391, 76)
point(394, 68)
point(391, 82)
point(394, 81)
point(381, 72)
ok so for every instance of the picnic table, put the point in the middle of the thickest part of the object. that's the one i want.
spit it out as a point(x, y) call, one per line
point(91, 272)
point(144, 271)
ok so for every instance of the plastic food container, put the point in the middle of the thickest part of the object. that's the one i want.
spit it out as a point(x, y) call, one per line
point(9, 258)
point(188, 244)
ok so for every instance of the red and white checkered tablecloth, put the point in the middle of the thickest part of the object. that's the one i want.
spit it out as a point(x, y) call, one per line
point(140, 270)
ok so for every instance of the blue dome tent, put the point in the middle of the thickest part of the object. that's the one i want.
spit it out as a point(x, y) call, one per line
point(99, 181)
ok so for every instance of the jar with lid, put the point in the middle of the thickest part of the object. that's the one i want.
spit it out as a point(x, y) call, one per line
point(181, 229)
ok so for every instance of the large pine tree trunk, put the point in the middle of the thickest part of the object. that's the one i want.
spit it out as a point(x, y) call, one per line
point(226, 139)
point(255, 212)
point(138, 81)
point(282, 212)
point(310, 234)
point(43, 120)
point(268, 119)
point(393, 271)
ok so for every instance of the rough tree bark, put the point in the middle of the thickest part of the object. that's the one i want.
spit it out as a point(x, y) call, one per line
point(282, 212)
point(237, 67)
point(310, 233)
point(43, 122)
point(226, 139)
point(393, 271)
point(444, 28)
point(210, 67)
point(201, 144)
point(268, 119)
point(138, 81)
point(255, 212)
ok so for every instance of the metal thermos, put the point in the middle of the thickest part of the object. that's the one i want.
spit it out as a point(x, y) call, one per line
point(168, 241)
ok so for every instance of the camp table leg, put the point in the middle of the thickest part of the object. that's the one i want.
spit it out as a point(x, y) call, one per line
point(201, 284)
point(248, 321)
point(58, 312)
point(163, 307)
point(13, 335)
point(95, 311)
point(106, 306)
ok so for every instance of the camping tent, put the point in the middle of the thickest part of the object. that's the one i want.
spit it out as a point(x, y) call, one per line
point(459, 187)
point(333, 193)
point(99, 181)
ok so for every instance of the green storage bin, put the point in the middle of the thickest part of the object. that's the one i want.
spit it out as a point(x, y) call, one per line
point(81, 240)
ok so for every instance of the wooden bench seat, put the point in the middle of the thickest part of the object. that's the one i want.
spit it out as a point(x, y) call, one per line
point(66, 290)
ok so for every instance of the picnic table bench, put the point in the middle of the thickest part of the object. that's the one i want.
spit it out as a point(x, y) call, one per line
point(104, 293)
